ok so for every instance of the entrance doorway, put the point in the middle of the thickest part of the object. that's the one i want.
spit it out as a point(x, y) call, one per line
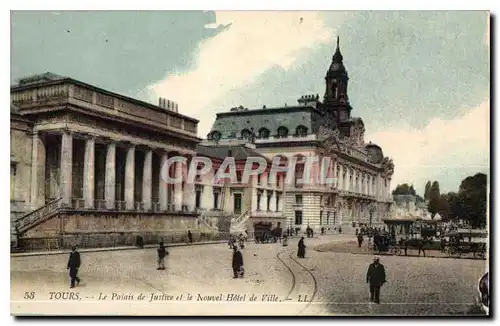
point(237, 203)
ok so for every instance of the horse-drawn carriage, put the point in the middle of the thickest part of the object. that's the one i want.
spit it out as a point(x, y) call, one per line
point(457, 246)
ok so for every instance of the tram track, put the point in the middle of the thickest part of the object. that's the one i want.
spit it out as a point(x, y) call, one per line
point(299, 282)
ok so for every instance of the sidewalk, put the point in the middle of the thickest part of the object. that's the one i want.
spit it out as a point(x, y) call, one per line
point(66, 251)
point(352, 248)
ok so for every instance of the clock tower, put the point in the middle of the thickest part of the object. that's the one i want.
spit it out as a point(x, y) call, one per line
point(336, 100)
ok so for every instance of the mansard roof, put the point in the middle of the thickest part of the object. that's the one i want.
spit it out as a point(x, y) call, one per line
point(289, 117)
point(239, 152)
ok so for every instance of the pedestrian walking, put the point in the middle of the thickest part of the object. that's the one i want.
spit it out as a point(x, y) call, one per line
point(376, 278)
point(285, 240)
point(74, 263)
point(241, 241)
point(162, 252)
point(237, 263)
point(301, 252)
point(340, 230)
point(360, 240)
point(190, 236)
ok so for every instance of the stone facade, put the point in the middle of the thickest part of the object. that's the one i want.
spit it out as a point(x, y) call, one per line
point(258, 200)
point(360, 193)
point(77, 148)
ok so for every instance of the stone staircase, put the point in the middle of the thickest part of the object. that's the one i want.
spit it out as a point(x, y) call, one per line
point(37, 216)
point(238, 223)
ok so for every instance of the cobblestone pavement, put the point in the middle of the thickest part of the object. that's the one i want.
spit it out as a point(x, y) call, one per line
point(198, 269)
point(416, 285)
point(204, 271)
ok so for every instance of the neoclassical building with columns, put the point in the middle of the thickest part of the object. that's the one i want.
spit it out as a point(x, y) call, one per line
point(86, 166)
point(360, 193)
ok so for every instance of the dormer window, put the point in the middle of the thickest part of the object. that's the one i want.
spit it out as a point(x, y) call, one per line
point(246, 134)
point(264, 133)
point(282, 132)
point(214, 135)
point(301, 131)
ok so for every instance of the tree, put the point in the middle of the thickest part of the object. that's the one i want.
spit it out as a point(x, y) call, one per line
point(472, 194)
point(404, 189)
point(444, 208)
point(456, 207)
point(427, 190)
point(434, 199)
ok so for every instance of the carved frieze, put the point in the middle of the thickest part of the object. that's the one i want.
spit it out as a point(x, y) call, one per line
point(105, 100)
point(83, 94)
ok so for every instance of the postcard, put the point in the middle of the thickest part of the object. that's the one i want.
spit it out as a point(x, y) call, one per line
point(250, 163)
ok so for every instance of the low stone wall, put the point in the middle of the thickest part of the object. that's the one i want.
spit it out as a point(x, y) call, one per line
point(108, 229)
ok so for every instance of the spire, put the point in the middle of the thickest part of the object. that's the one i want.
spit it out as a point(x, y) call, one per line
point(337, 57)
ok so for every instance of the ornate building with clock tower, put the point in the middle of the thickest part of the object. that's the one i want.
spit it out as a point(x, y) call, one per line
point(361, 191)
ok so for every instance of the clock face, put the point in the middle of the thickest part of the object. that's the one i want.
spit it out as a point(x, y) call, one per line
point(335, 66)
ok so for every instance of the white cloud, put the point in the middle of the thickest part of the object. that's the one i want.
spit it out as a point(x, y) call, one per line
point(255, 42)
point(462, 142)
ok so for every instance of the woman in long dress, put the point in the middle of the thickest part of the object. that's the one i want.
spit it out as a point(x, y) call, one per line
point(301, 253)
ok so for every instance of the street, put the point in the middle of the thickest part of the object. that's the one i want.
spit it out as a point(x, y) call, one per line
point(275, 282)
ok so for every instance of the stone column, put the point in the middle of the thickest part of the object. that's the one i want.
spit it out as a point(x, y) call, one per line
point(341, 178)
point(66, 172)
point(146, 179)
point(254, 194)
point(163, 185)
point(263, 201)
point(272, 205)
point(130, 178)
point(178, 187)
point(89, 172)
point(189, 190)
point(38, 157)
point(336, 183)
point(110, 176)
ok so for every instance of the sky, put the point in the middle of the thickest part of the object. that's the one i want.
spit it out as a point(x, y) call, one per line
point(419, 80)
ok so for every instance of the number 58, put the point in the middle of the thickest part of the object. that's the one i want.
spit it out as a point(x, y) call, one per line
point(29, 295)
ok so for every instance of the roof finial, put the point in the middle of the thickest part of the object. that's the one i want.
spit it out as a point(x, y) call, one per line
point(338, 41)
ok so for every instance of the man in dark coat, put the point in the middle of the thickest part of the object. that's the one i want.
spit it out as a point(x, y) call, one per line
point(237, 262)
point(74, 263)
point(301, 253)
point(162, 252)
point(190, 236)
point(376, 278)
point(360, 240)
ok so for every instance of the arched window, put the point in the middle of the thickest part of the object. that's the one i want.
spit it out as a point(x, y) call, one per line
point(301, 131)
point(264, 133)
point(246, 134)
point(299, 170)
point(214, 135)
point(282, 132)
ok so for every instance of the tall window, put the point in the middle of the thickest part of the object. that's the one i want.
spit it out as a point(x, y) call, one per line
point(269, 201)
point(198, 198)
point(216, 200)
point(13, 171)
point(282, 132)
point(298, 217)
point(239, 176)
point(298, 199)
point(259, 176)
point(277, 202)
point(259, 196)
